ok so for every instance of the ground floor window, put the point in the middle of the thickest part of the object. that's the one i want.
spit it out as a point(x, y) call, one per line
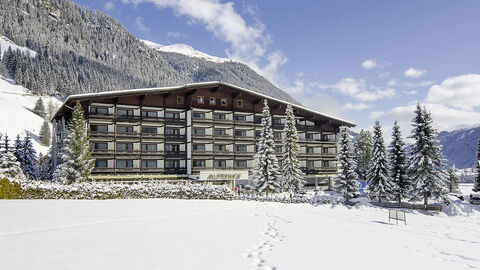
point(149, 164)
point(124, 163)
point(241, 163)
point(220, 164)
point(101, 163)
point(172, 164)
point(199, 163)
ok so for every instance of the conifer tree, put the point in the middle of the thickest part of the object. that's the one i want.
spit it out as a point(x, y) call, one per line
point(6, 144)
point(377, 174)
point(10, 167)
point(426, 160)
point(45, 167)
point(291, 173)
point(39, 108)
point(347, 181)
point(476, 186)
point(18, 150)
point(453, 180)
point(363, 151)
point(266, 170)
point(398, 165)
point(30, 163)
point(76, 153)
point(44, 135)
point(51, 110)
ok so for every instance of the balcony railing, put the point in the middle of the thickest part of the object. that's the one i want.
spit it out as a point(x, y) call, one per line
point(175, 153)
point(174, 137)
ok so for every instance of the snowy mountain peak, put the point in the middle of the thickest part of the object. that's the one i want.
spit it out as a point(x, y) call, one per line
point(185, 50)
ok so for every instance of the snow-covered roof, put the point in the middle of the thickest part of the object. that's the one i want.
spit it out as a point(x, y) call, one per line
point(194, 85)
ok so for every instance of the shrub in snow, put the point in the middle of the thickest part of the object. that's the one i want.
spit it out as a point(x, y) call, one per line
point(10, 167)
point(76, 155)
point(292, 176)
point(426, 160)
point(266, 170)
point(9, 190)
point(346, 183)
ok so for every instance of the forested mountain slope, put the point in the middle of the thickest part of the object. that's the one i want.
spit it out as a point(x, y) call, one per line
point(80, 51)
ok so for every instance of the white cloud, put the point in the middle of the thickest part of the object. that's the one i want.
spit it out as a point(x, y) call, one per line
point(355, 107)
point(419, 84)
point(321, 102)
point(462, 92)
point(249, 43)
point(359, 90)
point(392, 82)
point(140, 26)
point(415, 73)
point(410, 92)
point(109, 6)
point(369, 64)
point(175, 35)
point(384, 75)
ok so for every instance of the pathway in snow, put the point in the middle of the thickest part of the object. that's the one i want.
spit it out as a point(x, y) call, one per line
point(272, 235)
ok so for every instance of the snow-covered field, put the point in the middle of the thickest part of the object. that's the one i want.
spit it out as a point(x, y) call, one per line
point(193, 234)
point(16, 108)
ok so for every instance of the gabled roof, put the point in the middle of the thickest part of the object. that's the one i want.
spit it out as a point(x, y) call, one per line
point(187, 86)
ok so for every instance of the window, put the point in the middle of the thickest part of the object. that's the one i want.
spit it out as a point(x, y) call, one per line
point(124, 163)
point(149, 114)
point(220, 164)
point(101, 163)
point(99, 128)
point(309, 150)
point(124, 146)
point(100, 146)
point(199, 115)
point(200, 99)
point(241, 148)
point(172, 115)
point(240, 118)
point(241, 163)
point(257, 133)
point(277, 135)
point(325, 164)
point(278, 149)
point(240, 133)
point(257, 120)
point(220, 147)
point(219, 116)
point(149, 147)
point(124, 129)
point(325, 137)
point(325, 150)
point(239, 103)
point(199, 163)
point(149, 130)
point(223, 102)
point(211, 101)
point(149, 164)
point(309, 136)
point(220, 132)
point(310, 164)
point(172, 164)
point(180, 100)
point(199, 131)
point(199, 147)
point(172, 147)
point(99, 110)
point(172, 131)
point(277, 121)
point(124, 113)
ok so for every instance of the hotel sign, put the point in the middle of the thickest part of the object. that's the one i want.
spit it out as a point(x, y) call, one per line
point(223, 175)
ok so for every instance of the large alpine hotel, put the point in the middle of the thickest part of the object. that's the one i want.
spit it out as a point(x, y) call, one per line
point(204, 131)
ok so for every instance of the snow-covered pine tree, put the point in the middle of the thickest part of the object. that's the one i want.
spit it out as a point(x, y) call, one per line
point(266, 171)
point(6, 144)
point(76, 153)
point(291, 173)
point(10, 167)
point(363, 151)
point(30, 164)
point(39, 108)
point(18, 150)
point(377, 175)
point(346, 183)
point(453, 180)
point(476, 186)
point(398, 165)
point(44, 135)
point(45, 167)
point(51, 109)
point(426, 160)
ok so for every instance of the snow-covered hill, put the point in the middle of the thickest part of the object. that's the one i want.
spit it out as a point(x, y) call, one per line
point(16, 110)
point(185, 50)
point(6, 43)
point(460, 146)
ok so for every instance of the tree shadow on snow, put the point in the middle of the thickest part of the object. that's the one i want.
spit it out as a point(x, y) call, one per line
point(382, 222)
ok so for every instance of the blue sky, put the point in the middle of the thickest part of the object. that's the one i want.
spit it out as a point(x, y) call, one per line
point(360, 60)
